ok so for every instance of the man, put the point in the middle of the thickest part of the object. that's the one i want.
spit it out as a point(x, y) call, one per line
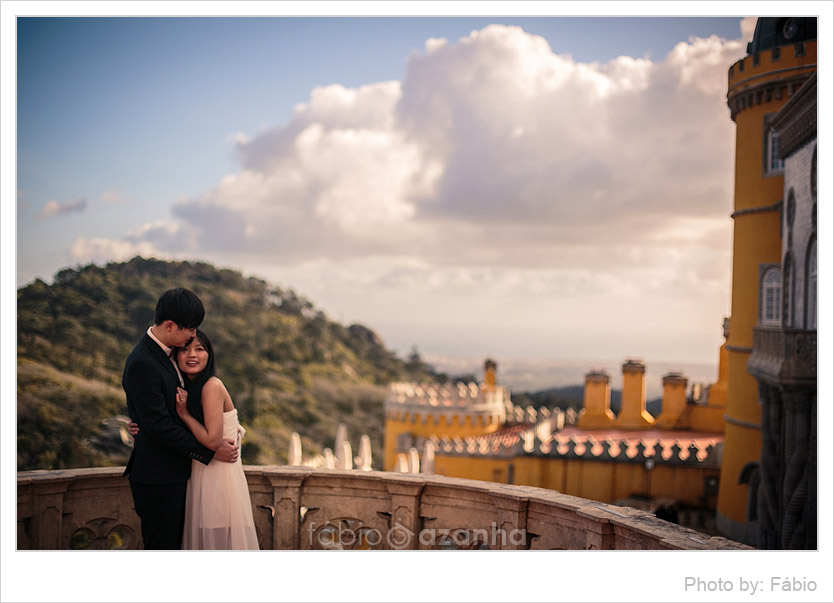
point(160, 464)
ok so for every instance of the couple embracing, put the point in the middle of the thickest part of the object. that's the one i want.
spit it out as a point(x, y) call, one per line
point(185, 472)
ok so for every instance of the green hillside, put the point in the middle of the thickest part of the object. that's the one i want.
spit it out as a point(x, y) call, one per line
point(288, 367)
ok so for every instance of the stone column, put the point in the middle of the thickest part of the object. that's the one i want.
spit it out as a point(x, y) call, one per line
point(798, 465)
point(770, 469)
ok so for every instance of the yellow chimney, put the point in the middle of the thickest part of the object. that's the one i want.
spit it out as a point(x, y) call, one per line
point(674, 402)
point(633, 413)
point(597, 402)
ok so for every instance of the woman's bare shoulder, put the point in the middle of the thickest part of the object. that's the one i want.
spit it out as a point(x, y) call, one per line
point(214, 385)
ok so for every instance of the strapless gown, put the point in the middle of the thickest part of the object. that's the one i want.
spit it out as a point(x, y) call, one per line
point(218, 511)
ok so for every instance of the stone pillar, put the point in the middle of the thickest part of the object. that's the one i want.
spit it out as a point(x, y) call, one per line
point(427, 466)
point(767, 496)
point(286, 504)
point(47, 514)
point(413, 460)
point(405, 523)
point(798, 469)
point(294, 456)
point(674, 402)
point(339, 447)
point(511, 532)
point(597, 402)
point(365, 459)
point(633, 413)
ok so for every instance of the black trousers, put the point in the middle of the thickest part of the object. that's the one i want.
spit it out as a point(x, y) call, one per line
point(161, 509)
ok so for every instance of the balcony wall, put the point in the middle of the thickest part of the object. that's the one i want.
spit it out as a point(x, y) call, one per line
point(784, 357)
point(299, 508)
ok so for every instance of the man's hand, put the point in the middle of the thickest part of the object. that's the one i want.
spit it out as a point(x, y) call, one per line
point(228, 452)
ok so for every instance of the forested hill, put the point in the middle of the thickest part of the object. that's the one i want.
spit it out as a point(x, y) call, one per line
point(288, 367)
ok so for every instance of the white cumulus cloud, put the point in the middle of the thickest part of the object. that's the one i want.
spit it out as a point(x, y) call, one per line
point(495, 165)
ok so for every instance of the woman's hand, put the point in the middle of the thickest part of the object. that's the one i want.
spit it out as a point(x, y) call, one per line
point(182, 398)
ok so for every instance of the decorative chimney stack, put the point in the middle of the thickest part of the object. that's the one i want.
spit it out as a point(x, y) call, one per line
point(674, 401)
point(597, 402)
point(633, 413)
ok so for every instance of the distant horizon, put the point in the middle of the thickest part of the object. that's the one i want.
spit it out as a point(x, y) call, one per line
point(525, 370)
point(531, 375)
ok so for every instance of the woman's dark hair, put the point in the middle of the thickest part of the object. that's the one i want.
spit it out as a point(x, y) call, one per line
point(182, 306)
point(195, 386)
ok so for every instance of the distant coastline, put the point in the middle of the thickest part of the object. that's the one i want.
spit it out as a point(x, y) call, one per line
point(532, 375)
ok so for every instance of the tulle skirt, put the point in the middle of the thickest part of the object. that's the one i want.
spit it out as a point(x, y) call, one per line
point(218, 511)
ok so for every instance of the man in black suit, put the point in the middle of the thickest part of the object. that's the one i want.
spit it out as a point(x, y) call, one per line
point(160, 464)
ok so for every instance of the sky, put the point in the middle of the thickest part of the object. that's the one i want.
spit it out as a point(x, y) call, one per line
point(555, 186)
point(507, 187)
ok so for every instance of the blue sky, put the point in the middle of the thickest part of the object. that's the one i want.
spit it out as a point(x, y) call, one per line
point(145, 106)
point(127, 122)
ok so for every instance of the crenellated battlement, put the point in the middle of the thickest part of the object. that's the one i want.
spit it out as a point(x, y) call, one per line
point(415, 402)
point(770, 75)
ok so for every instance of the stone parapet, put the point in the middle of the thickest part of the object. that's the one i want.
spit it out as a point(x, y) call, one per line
point(300, 508)
point(784, 356)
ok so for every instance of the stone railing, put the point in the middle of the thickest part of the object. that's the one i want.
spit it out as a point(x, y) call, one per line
point(784, 356)
point(695, 452)
point(298, 508)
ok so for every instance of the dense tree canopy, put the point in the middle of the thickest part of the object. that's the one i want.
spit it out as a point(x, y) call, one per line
point(288, 367)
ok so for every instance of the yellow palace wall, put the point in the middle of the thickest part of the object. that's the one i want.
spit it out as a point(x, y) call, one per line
point(428, 425)
point(601, 481)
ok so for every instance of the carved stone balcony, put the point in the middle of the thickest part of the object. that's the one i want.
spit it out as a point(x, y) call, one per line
point(784, 357)
point(299, 508)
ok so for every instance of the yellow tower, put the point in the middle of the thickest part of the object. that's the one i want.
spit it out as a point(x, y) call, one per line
point(780, 58)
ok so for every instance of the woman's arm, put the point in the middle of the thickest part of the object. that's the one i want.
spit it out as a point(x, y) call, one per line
point(209, 435)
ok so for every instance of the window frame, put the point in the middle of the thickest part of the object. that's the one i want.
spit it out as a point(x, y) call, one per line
point(772, 165)
point(770, 295)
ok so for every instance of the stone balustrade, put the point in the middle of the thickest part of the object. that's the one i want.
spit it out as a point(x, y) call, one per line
point(299, 508)
point(784, 356)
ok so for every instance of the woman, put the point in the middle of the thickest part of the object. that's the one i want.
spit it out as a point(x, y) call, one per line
point(218, 511)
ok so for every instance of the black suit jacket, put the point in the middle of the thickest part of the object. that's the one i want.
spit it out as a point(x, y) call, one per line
point(163, 448)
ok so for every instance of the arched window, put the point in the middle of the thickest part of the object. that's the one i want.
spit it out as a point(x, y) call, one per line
point(771, 297)
point(811, 286)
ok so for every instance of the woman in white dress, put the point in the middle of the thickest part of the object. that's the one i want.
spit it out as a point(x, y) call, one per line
point(218, 511)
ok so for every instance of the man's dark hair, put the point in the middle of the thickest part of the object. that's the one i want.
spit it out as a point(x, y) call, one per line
point(181, 306)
